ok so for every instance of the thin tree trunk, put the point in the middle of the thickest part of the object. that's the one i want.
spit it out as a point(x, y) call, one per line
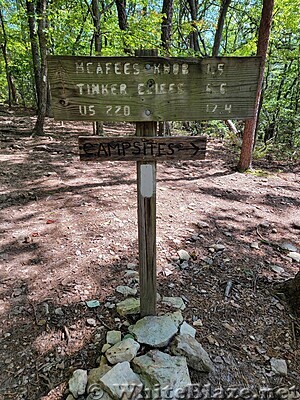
point(262, 48)
point(194, 40)
point(164, 128)
point(12, 93)
point(220, 27)
point(166, 26)
point(98, 125)
point(41, 9)
point(97, 25)
point(122, 15)
point(34, 47)
point(217, 43)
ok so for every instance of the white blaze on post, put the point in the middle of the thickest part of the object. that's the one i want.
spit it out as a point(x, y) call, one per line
point(147, 180)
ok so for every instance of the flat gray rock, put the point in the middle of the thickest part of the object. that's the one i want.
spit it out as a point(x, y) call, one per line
point(126, 291)
point(197, 358)
point(288, 246)
point(118, 381)
point(155, 331)
point(157, 368)
point(125, 350)
point(175, 302)
point(78, 382)
point(279, 366)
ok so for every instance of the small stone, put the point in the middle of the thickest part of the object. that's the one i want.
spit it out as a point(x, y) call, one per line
point(202, 224)
point(218, 360)
point(175, 302)
point(59, 311)
point(125, 350)
point(126, 290)
point(113, 337)
point(128, 306)
point(105, 347)
point(294, 256)
point(78, 382)
point(198, 322)
point(186, 329)
point(131, 266)
point(183, 255)
point(288, 247)
point(129, 336)
point(130, 274)
point(254, 245)
point(184, 265)
point(279, 366)
point(277, 269)
point(91, 322)
point(208, 261)
point(93, 303)
point(70, 397)
point(197, 357)
point(218, 247)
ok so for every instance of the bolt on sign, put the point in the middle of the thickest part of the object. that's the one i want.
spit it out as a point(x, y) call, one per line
point(147, 89)
point(153, 88)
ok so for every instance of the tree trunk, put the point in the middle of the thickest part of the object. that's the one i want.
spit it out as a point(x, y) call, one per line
point(97, 25)
point(97, 126)
point(34, 47)
point(122, 15)
point(194, 40)
point(164, 127)
point(41, 10)
point(38, 43)
point(12, 93)
point(166, 26)
point(217, 42)
point(220, 26)
point(262, 47)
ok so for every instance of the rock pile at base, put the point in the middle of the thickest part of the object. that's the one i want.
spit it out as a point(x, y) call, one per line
point(157, 353)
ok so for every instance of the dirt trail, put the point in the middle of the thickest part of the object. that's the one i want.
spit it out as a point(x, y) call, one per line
point(69, 230)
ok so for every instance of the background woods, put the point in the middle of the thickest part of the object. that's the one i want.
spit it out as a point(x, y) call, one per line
point(32, 29)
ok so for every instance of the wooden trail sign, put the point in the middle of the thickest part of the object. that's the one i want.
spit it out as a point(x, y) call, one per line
point(153, 88)
point(147, 89)
point(131, 148)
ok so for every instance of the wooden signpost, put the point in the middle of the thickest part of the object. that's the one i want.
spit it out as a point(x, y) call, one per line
point(146, 89)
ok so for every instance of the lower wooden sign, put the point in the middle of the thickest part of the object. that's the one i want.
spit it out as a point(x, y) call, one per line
point(133, 148)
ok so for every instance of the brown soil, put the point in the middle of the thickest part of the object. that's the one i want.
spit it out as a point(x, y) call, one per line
point(69, 229)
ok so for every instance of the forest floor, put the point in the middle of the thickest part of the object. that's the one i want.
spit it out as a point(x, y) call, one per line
point(69, 231)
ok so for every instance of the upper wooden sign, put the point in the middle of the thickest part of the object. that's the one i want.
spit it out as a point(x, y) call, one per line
point(153, 88)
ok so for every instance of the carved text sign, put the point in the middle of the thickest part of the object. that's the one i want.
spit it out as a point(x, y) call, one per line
point(153, 88)
point(132, 148)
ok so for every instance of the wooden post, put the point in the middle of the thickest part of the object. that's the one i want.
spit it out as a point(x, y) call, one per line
point(146, 200)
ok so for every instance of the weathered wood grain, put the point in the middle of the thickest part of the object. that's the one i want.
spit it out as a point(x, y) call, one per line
point(146, 202)
point(152, 88)
point(131, 148)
